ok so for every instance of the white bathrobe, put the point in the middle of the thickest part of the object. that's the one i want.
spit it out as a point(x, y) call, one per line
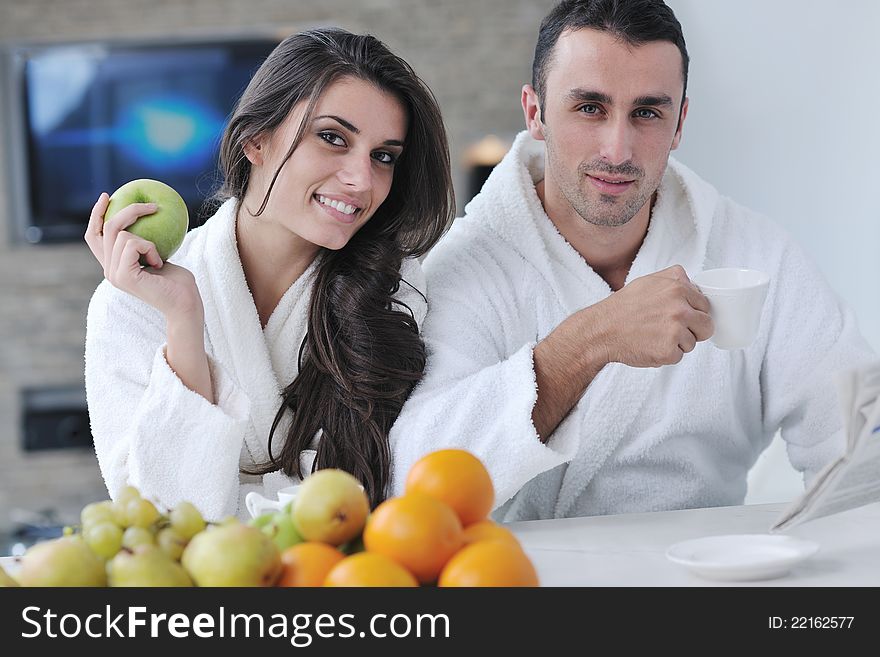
point(638, 440)
point(170, 442)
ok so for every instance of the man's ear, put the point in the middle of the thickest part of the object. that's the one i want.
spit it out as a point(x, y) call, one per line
point(253, 149)
point(532, 111)
point(677, 139)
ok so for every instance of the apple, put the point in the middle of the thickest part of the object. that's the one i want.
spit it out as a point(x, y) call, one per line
point(167, 226)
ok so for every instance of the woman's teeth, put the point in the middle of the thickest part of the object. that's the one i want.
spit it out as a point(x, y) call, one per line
point(336, 205)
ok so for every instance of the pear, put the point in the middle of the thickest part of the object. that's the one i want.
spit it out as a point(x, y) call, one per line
point(331, 507)
point(147, 565)
point(6, 579)
point(232, 555)
point(65, 561)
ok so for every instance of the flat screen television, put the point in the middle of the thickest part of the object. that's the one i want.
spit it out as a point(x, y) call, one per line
point(88, 117)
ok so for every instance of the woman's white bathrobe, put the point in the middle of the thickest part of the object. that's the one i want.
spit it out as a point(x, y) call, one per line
point(639, 439)
point(153, 432)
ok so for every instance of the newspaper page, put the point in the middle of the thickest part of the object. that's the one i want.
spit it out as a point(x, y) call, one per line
point(853, 479)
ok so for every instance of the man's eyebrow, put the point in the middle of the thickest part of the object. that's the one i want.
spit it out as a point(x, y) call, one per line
point(661, 100)
point(352, 128)
point(585, 95)
point(589, 95)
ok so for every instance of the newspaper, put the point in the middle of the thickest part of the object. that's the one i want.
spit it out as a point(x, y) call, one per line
point(853, 479)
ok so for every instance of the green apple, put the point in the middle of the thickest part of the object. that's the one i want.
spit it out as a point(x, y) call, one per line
point(167, 226)
point(282, 530)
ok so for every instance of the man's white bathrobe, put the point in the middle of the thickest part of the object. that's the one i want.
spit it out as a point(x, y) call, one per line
point(153, 432)
point(639, 439)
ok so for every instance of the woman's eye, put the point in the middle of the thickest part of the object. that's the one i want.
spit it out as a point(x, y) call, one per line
point(384, 157)
point(332, 138)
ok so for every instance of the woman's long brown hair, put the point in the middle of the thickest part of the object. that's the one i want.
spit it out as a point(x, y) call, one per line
point(362, 354)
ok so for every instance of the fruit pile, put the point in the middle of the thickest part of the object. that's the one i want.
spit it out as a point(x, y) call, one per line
point(437, 532)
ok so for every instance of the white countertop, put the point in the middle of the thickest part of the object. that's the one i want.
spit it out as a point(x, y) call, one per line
point(630, 549)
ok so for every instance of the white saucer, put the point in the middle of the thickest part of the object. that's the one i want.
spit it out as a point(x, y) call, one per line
point(741, 557)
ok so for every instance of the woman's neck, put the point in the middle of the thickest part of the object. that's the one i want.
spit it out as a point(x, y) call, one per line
point(272, 258)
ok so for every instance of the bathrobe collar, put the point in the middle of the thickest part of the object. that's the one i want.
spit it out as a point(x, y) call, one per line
point(236, 334)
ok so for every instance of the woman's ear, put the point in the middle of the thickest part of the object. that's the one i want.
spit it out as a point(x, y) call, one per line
point(253, 149)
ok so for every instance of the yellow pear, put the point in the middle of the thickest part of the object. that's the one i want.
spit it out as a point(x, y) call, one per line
point(65, 561)
point(146, 565)
point(232, 555)
point(330, 507)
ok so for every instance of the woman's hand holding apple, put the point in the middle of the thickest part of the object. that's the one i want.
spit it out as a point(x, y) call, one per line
point(169, 288)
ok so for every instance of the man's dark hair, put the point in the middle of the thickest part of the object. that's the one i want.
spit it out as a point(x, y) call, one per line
point(634, 21)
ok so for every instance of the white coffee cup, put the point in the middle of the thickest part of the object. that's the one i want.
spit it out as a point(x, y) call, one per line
point(257, 505)
point(736, 299)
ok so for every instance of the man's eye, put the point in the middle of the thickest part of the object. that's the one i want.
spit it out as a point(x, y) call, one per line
point(384, 157)
point(590, 109)
point(646, 114)
point(332, 138)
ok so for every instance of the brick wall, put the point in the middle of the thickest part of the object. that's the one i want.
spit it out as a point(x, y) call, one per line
point(474, 54)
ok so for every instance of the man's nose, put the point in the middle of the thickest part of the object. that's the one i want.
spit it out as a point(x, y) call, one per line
point(616, 147)
point(357, 171)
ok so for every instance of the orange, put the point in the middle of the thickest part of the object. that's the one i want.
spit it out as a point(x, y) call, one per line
point(416, 531)
point(457, 478)
point(490, 562)
point(369, 569)
point(485, 529)
point(307, 564)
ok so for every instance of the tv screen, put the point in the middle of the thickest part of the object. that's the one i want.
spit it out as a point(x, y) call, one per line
point(91, 117)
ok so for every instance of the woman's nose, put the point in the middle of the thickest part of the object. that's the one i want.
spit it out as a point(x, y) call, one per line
point(356, 172)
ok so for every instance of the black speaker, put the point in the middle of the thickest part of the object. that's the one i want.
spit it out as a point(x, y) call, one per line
point(55, 418)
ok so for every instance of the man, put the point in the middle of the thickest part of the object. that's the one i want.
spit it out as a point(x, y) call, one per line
point(567, 345)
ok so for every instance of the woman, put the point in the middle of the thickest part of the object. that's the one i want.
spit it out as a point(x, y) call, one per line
point(336, 170)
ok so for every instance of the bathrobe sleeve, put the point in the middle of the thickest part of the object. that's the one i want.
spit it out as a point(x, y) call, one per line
point(479, 386)
point(149, 429)
point(812, 337)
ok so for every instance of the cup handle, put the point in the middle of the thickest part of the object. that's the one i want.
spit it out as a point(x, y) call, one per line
point(257, 505)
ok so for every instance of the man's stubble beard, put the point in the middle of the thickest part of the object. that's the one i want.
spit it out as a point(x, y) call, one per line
point(609, 211)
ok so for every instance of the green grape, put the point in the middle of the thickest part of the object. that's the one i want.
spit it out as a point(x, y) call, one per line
point(120, 505)
point(105, 538)
point(127, 494)
point(134, 536)
point(96, 512)
point(186, 520)
point(171, 542)
point(140, 513)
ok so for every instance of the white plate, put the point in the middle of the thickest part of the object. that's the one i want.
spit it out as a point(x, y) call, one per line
point(741, 557)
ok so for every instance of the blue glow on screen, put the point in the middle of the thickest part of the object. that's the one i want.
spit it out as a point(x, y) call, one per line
point(168, 132)
point(99, 115)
